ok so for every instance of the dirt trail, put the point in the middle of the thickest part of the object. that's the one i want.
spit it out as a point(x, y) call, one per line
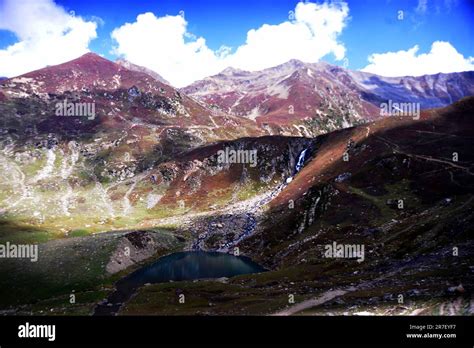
point(325, 297)
point(331, 294)
point(396, 149)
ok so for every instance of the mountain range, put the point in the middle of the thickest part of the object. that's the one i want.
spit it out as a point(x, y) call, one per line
point(294, 98)
point(321, 96)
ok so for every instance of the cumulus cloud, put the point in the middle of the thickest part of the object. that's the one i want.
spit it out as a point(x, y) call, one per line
point(310, 36)
point(46, 34)
point(442, 58)
point(164, 44)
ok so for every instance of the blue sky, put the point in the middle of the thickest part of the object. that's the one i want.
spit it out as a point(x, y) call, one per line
point(369, 27)
point(373, 27)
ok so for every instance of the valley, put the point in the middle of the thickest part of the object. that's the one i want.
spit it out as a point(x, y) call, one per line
point(105, 198)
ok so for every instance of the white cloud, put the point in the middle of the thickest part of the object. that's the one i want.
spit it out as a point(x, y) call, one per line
point(47, 35)
point(164, 45)
point(309, 37)
point(443, 58)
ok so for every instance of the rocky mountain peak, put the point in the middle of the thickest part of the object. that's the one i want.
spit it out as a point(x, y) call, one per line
point(135, 67)
point(232, 71)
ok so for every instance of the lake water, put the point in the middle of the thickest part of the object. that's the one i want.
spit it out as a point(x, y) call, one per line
point(178, 267)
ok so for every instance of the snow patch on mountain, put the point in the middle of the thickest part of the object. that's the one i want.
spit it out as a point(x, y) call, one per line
point(254, 113)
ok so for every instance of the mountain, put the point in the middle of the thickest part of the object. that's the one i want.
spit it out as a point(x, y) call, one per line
point(321, 97)
point(89, 166)
point(292, 96)
point(124, 101)
point(107, 83)
point(431, 91)
point(393, 158)
point(130, 66)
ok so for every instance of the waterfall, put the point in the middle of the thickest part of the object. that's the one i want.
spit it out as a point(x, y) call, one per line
point(300, 162)
point(251, 222)
point(299, 165)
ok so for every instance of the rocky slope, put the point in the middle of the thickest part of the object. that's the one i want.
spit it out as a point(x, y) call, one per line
point(426, 164)
point(130, 66)
point(99, 172)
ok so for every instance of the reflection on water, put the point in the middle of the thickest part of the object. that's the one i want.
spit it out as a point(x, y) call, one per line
point(194, 265)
